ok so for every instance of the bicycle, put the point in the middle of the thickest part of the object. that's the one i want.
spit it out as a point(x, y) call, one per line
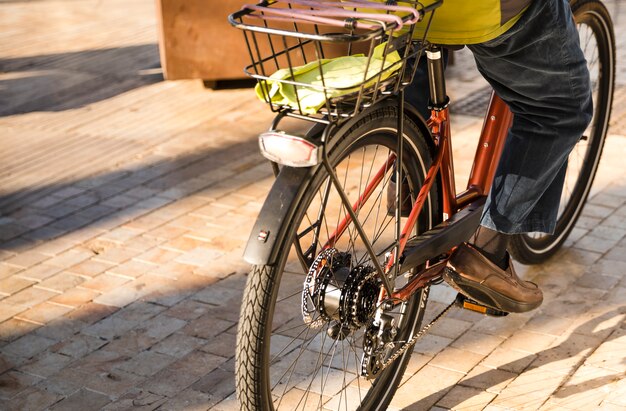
point(342, 263)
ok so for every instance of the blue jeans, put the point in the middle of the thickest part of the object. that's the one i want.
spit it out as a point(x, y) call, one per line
point(539, 70)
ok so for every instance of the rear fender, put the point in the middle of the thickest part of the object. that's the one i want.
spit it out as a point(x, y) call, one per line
point(269, 230)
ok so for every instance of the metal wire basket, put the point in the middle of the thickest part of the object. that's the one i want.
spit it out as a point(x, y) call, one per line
point(329, 59)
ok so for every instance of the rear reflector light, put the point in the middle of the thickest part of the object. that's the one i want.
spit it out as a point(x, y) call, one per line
point(288, 150)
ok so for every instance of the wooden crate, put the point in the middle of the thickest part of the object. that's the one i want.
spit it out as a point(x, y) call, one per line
point(196, 41)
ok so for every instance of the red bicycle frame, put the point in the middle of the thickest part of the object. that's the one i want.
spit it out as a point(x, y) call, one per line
point(493, 135)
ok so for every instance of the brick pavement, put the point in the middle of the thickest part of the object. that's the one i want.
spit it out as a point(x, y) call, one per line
point(121, 274)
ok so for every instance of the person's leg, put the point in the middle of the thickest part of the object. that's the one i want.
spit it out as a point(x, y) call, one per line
point(538, 69)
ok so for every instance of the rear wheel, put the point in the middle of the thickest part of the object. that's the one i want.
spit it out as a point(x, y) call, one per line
point(597, 42)
point(301, 347)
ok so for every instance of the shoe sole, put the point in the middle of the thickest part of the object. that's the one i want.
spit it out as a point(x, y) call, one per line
point(484, 295)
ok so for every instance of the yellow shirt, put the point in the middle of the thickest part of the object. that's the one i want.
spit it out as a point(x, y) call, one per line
point(471, 21)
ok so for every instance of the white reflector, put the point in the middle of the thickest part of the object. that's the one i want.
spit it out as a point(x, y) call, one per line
point(288, 150)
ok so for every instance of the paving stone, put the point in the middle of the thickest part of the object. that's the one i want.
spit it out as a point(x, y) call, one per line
point(529, 390)
point(224, 346)
point(182, 374)
point(179, 345)
point(159, 327)
point(140, 311)
point(125, 293)
point(189, 310)
point(456, 360)
point(9, 310)
point(27, 346)
point(608, 233)
point(8, 270)
point(488, 379)
point(40, 272)
point(229, 404)
point(566, 354)
point(528, 341)
point(45, 364)
point(109, 328)
point(29, 297)
point(547, 324)
point(597, 244)
point(574, 302)
point(142, 243)
point(501, 327)
point(75, 297)
point(425, 388)
point(61, 328)
point(70, 258)
point(219, 383)
point(90, 268)
point(586, 389)
point(33, 399)
point(510, 360)
point(188, 399)
point(14, 284)
point(477, 342)
point(81, 400)
point(132, 269)
point(115, 255)
point(91, 312)
point(147, 363)
point(617, 254)
point(14, 328)
point(617, 396)
point(430, 345)
point(172, 270)
point(206, 327)
point(79, 345)
point(465, 398)
point(14, 382)
point(607, 406)
point(598, 211)
point(105, 282)
point(610, 356)
point(27, 259)
point(58, 283)
point(44, 313)
point(416, 363)
point(138, 400)
point(157, 256)
point(165, 232)
point(183, 244)
point(217, 295)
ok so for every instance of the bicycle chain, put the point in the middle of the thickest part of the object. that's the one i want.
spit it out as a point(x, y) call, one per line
point(416, 337)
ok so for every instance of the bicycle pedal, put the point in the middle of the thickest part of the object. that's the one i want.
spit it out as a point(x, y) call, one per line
point(469, 304)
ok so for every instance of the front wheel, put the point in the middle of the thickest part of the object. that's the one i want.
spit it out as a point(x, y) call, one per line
point(303, 325)
point(598, 43)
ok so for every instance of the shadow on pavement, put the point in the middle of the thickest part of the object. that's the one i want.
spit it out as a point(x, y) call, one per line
point(546, 359)
point(63, 81)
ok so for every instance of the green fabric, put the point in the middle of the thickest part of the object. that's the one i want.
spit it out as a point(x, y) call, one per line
point(342, 75)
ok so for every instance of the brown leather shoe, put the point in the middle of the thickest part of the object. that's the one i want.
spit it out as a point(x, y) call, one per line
point(474, 275)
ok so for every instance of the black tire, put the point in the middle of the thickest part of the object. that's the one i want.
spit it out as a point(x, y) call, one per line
point(598, 43)
point(273, 337)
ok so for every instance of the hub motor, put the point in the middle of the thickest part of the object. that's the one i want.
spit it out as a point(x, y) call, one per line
point(335, 291)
